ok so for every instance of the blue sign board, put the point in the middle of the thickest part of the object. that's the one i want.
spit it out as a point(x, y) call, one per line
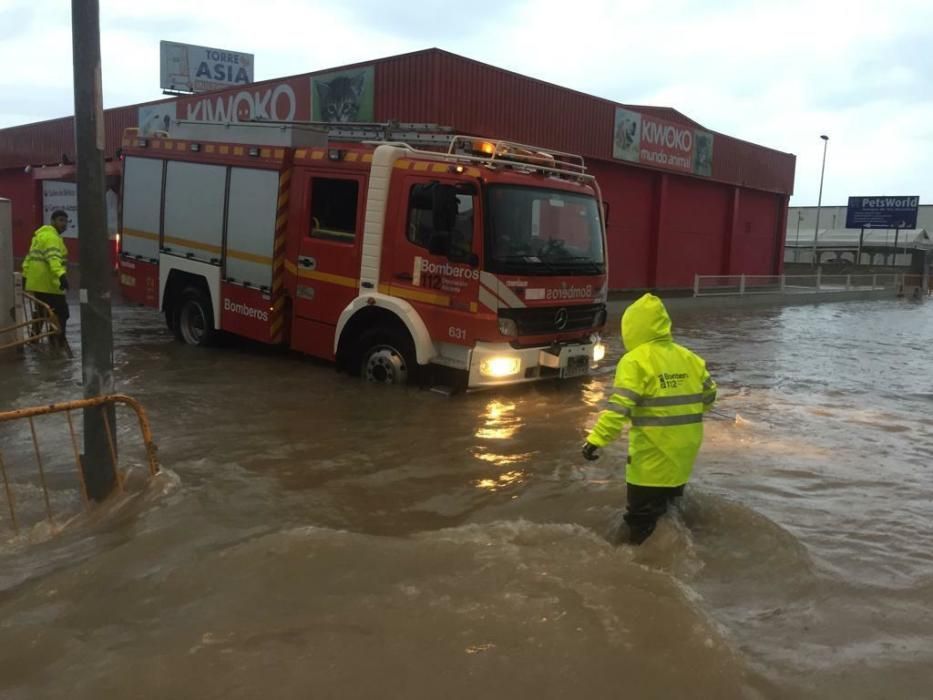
point(882, 212)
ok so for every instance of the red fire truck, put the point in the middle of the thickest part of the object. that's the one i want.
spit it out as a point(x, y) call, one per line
point(392, 250)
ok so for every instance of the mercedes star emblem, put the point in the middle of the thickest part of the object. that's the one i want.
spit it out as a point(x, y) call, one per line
point(560, 319)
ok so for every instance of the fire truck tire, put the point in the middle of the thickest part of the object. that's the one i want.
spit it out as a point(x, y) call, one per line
point(194, 318)
point(388, 357)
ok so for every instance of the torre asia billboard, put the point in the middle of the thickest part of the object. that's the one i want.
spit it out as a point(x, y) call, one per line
point(648, 140)
point(188, 68)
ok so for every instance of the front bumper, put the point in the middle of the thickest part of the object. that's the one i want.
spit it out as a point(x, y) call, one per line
point(558, 361)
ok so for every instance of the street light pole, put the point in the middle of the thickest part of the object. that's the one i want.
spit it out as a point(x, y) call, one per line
point(797, 237)
point(819, 201)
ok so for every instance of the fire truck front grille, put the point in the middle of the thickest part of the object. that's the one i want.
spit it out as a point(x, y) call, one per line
point(556, 319)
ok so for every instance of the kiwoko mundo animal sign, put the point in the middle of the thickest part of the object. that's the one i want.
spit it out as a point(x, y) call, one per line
point(658, 143)
point(188, 68)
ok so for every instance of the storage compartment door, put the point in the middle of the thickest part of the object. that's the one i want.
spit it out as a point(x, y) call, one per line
point(194, 211)
point(251, 227)
point(142, 206)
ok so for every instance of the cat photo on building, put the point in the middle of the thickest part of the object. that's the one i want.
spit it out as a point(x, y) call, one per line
point(703, 153)
point(627, 142)
point(344, 96)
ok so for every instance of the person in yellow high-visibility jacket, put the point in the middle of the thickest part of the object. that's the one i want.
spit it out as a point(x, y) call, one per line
point(45, 267)
point(662, 389)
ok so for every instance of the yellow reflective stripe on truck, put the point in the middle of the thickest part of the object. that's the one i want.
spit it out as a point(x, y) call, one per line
point(140, 234)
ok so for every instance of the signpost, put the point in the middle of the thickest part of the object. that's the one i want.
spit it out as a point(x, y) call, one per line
point(882, 212)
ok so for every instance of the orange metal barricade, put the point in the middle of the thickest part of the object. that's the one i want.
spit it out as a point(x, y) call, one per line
point(67, 407)
point(42, 322)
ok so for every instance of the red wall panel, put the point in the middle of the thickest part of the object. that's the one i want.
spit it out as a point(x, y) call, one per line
point(757, 227)
point(695, 222)
point(631, 196)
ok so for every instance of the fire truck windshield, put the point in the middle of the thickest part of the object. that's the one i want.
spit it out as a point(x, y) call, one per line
point(542, 232)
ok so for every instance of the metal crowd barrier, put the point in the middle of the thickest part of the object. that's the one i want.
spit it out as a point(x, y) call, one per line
point(28, 414)
point(742, 285)
point(34, 321)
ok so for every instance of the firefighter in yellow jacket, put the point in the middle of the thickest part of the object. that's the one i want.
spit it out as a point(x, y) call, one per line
point(46, 265)
point(663, 390)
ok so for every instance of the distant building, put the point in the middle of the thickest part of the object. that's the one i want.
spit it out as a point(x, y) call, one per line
point(836, 243)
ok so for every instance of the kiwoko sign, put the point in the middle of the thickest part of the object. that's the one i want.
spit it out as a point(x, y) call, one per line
point(289, 100)
point(188, 68)
point(882, 212)
point(647, 140)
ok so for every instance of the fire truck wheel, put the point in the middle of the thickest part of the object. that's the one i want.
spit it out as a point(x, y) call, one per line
point(194, 318)
point(388, 358)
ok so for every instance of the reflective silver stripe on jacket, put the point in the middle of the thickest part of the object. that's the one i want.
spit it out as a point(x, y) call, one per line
point(673, 400)
point(633, 395)
point(648, 421)
point(624, 410)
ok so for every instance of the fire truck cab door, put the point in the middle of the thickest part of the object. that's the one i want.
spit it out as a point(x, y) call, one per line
point(436, 253)
point(328, 265)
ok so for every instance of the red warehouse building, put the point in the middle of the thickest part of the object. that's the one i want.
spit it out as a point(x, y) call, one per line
point(681, 199)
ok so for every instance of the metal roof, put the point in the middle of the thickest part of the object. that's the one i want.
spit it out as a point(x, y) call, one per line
point(849, 238)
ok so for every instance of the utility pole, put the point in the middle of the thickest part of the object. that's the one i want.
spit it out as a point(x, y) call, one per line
point(96, 319)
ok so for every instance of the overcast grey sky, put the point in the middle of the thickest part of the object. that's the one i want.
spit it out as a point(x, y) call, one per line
point(777, 73)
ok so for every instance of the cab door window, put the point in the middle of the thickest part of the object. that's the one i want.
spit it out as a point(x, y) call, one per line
point(334, 206)
point(426, 227)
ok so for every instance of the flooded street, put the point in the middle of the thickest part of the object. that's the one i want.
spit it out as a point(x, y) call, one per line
point(313, 536)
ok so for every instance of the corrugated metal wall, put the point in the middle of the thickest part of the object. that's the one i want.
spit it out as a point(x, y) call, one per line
point(631, 195)
point(436, 86)
point(757, 230)
point(44, 143)
point(663, 226)
point(440, 87)
point(695, 222)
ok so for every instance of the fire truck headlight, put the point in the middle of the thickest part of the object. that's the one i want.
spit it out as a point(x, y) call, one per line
point(599, 352)
point(508, 327)
point(500, 366)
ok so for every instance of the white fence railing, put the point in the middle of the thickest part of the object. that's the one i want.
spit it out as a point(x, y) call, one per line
point(712, 285)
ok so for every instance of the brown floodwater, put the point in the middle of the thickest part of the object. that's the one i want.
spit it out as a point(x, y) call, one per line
point(314, 536)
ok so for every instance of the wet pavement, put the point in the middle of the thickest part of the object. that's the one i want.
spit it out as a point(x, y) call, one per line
point(313, 536)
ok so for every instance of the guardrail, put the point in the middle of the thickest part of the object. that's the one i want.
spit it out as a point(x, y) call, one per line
point(28, 414)
point(742, 285)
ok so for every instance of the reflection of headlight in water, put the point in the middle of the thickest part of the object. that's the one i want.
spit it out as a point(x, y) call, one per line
point(501, 366)
point(599, 352)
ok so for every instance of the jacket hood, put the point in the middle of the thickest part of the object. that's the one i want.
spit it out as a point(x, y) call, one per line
point(644, 321)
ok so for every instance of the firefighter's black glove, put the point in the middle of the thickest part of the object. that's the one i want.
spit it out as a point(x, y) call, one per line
point(590, 451)
point(63, 283)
